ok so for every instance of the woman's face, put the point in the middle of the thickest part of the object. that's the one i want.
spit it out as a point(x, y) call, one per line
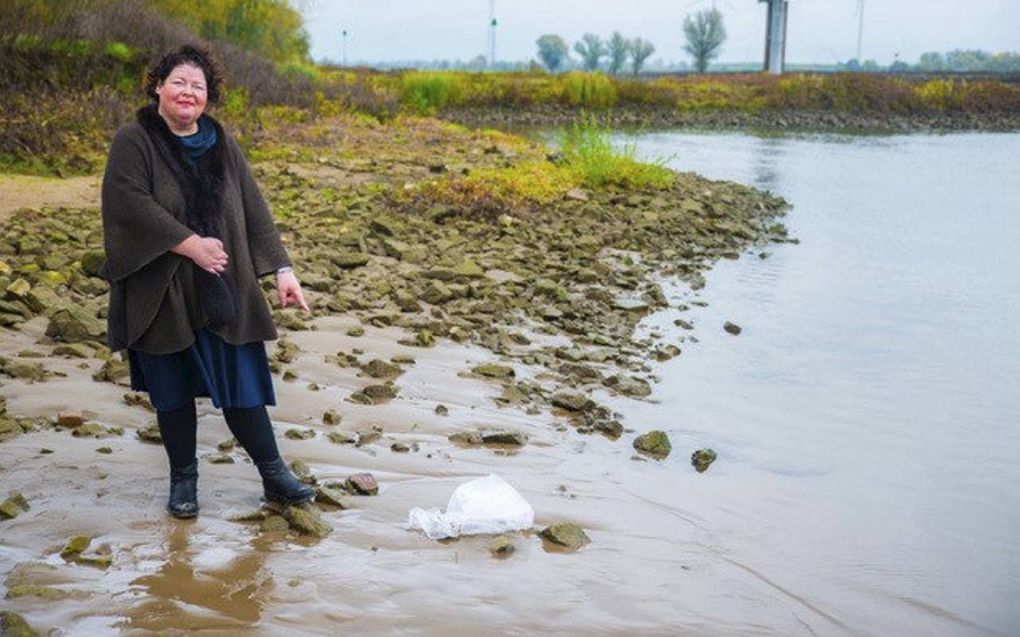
point(182, 97)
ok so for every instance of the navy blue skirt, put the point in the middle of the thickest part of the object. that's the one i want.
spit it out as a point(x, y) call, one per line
point(233, 376)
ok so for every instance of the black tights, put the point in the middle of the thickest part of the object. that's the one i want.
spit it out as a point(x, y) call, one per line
point(250, 426)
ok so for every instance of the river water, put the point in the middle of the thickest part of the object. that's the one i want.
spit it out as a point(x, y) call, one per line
point(866, 419)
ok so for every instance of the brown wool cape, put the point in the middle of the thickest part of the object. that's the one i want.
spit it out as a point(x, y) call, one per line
point(154, 303)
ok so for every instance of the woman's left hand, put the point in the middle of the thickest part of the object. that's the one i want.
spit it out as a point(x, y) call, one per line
point(289, 290)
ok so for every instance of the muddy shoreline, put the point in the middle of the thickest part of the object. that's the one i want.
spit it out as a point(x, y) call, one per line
point(431, 328)
point(657, 117)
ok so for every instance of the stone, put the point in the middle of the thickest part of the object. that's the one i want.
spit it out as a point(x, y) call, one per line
point(73, 350)
point(104, 450)
point(732, 328)
point(9, 509)
point(150, 434)
point(98, 559)
point(571, 402)
point(436, 293)
point(629, 386)
point(92, 262)
point(330, 496)
point(356, 331)
point(14, 625)
point(511, 438)
point(384, 226)
point(32, 372)
point(399, 447)
point(221, 458)
point(306, 521)
point(467, 438)
point(114, 370)
point(70, 419)
point(95, 430)
point(654, 443)
point(566, 534)
point(442, 410)
point(331, 417)
point(274, 524)
point(75, 545)
point(494, 371)
point(377, 368)
point(702, 459)
point(19, 500)
point(31, 590)
point(21, 291)
point(611, 428)
point(369, 436)
point(469, 269)
point(75, 324)
point(340, 438)
point(299, 434)
point(362, 484)
point(349, 260)
point(286, 351)
point(501, 546)
point(377, 394)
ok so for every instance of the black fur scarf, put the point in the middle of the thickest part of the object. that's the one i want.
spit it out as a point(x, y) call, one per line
point(202, 184)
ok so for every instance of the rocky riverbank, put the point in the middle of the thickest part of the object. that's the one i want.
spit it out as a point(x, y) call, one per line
point(448, 336)
point(631, 116)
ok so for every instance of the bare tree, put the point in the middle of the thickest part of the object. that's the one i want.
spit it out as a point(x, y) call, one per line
point(592, 50)
point(618, 50)
point(705, 34)
point(640, 50)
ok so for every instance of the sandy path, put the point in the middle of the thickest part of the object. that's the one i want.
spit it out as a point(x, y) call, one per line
point(24, 191)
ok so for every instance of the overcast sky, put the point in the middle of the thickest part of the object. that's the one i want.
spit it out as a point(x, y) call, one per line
point(818, 30)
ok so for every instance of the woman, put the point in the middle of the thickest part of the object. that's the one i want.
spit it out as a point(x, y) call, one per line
point(187, 236)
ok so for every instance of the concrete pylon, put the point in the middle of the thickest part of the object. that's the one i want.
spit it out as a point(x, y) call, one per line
point(775, 36)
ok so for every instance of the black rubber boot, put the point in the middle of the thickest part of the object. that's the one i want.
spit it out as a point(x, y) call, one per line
point(183, 502)
point(280, 485)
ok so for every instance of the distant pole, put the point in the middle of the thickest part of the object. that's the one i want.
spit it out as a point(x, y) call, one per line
point(860, 29)
point(492, 33)
point(343, 47)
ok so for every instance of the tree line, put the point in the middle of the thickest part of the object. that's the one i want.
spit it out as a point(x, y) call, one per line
point(703, 31)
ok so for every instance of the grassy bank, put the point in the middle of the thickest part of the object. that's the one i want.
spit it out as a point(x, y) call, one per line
point(63, 99)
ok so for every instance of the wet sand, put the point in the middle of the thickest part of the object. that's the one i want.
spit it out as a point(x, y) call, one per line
point(643, 572)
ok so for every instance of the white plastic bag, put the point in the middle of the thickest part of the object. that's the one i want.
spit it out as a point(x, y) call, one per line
point(484, 505)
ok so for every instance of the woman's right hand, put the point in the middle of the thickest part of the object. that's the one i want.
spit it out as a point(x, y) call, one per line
point(206, 252)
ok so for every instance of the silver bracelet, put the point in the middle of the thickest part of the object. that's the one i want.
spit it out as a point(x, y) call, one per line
point(285, 268)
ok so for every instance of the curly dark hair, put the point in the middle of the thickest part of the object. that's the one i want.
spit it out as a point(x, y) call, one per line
point(187, 54)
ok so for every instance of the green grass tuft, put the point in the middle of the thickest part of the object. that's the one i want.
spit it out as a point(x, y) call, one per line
point(590, 154)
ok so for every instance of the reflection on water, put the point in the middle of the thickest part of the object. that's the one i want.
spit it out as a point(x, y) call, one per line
point(200, 586)
point(866, 417)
